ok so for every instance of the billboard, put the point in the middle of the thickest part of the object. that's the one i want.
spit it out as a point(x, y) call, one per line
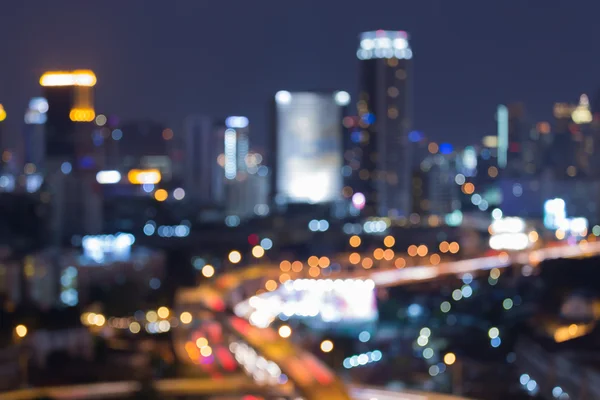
point(309, 146)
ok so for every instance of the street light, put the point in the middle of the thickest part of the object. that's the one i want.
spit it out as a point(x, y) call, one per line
point(21, 331)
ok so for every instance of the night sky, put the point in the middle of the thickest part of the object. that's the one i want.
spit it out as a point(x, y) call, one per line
point(165, 59)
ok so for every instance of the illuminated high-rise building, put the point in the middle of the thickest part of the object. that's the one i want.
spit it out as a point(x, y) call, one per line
point(380, 157)
point(35, 140)
point(70, 162)
point(70, 97)
point(308, 146)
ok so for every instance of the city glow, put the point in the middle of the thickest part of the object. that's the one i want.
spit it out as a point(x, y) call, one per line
point(108, 177)
point(74, 78)
point(144, 176)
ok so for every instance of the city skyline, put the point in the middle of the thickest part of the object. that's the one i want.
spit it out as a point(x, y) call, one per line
point(169, 82)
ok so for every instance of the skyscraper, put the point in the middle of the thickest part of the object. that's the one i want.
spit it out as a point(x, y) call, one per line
point(202, 149)
point(380, 158)
point(308, 146)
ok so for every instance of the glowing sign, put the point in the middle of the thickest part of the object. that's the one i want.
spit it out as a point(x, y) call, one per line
point(2, 113)
point(82, 115)
point(75, 78)
point(309, 143)
point(144, 176)
point(108, 177)
point(236, 122)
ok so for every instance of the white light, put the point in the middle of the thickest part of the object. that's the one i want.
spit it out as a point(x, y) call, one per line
point(230, 154)
point(578, 226)
point(509, 241)
point(178, 194)
point(557, 391)
point(524, 379)
point(342, 98)
point(283, 97)
point(364, 336)
point(108, 177)
point(497, 213)
point(236, 122)
point(367, 44)
point(508, 225)
point(493, 332)
point(39, 104)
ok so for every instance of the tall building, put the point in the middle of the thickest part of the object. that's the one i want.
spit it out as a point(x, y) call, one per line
point(308, 146)
point(381, 159)
point(35, 140)
point(202, 149)
point(70, 165)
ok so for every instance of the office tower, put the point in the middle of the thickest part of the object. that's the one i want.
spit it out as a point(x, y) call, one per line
point(35, 140)
point(382, 161)
point(308, 146)
point(70, 165)
point(200, 153)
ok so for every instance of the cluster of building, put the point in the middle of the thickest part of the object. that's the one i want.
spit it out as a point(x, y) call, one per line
point(366, 161)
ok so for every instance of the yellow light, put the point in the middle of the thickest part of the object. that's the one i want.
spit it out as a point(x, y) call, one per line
point(100, 320)
point(270, 285)
point(161, 195)
point(412, 250)
point(206, 351)
point(560, 234)
point(91, 319)
point(389, 254)
point(2, 113)
point(449, 358)
point(21, 331)
point(283, 278)
point(134, 327)
point(285, 331)
point(533, 236)
point(495, 273)
point(354, 258)
point(258, 251)
point(468, 188)
point(326, 346)
point(400, 263)
point(454, 247)
point(324, 262)
point(285, 266)
point(433, 148)
point(63, 78)
point(297, 266)
point(314, 272)
point(313, 261)
point(444, 247)
point(151, 316)
point(435, 259)
point(389, 241)
point(201, 342)
point(493, 172)
point(142, 176)
point(185, 317)
point(378, 254)
point(208, 271)
point(422, 250)
point(573, 329)
point(82, 114)
point(163, 312)
point(367, 263)
point(235, 257)
point(355, 241)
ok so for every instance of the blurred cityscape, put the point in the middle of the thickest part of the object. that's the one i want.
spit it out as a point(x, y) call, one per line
point(351, 258)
